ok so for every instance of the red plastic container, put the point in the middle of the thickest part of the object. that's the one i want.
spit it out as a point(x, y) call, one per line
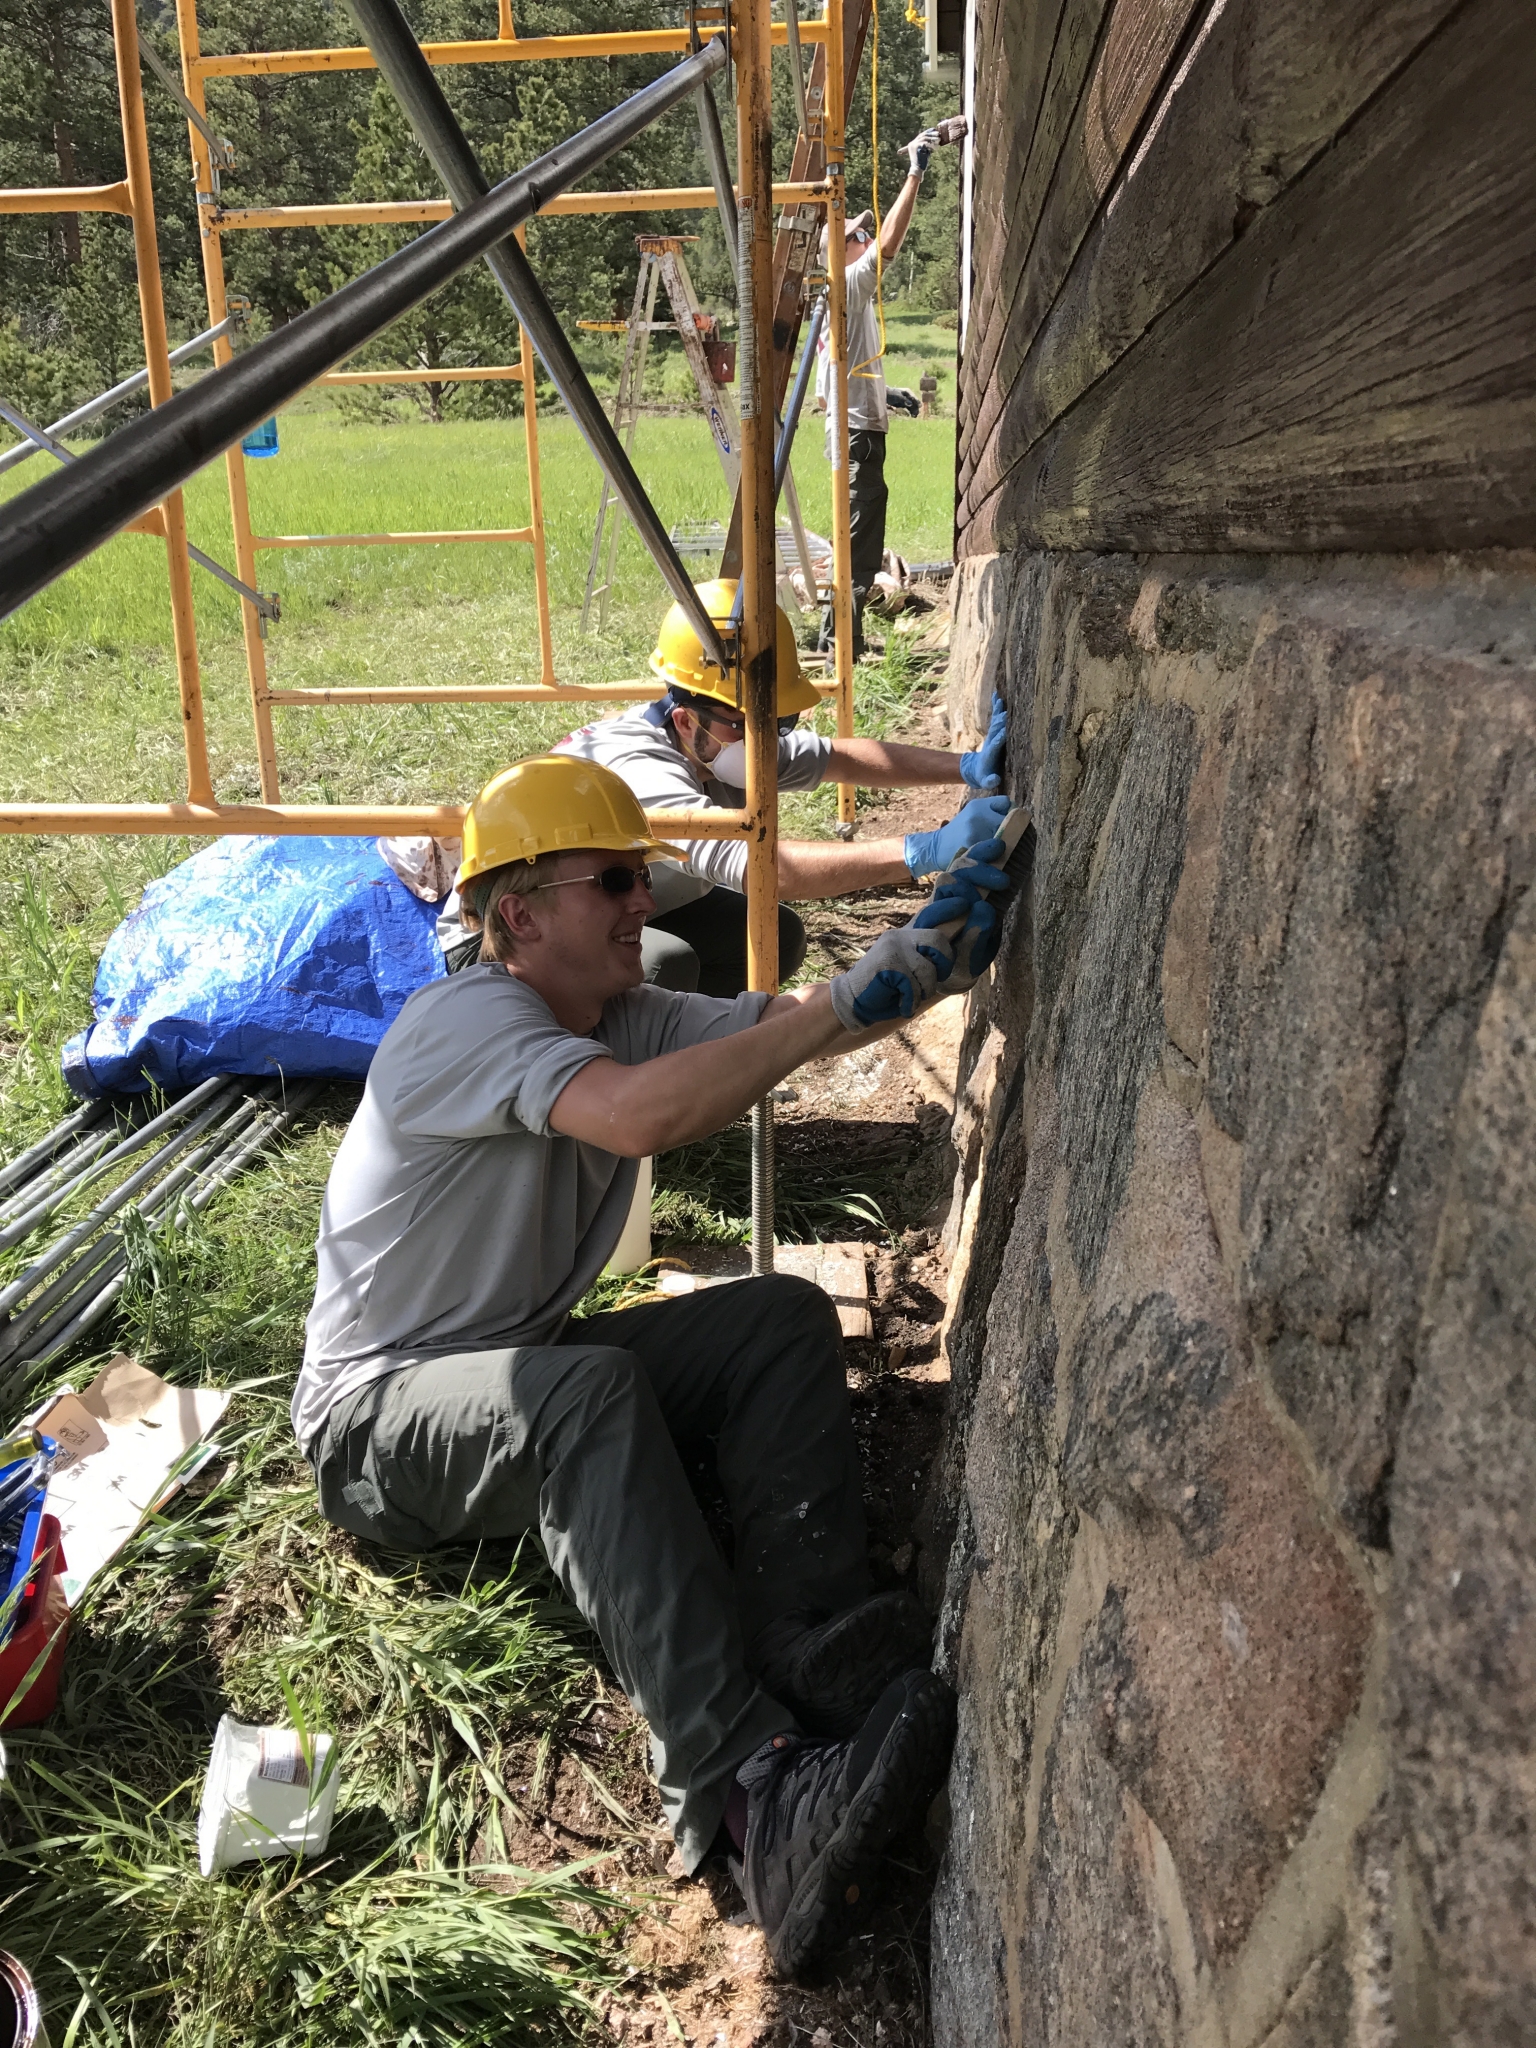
point(42, 1623)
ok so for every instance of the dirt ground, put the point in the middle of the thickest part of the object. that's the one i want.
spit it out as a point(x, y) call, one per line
point(695, 1970)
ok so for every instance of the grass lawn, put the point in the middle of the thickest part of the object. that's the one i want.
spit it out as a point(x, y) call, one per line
point(445, 1680)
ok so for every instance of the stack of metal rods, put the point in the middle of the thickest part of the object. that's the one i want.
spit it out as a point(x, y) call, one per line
point(206, 1138)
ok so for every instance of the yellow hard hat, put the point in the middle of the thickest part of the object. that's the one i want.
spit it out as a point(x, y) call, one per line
point(555, 803)
point(680, 656)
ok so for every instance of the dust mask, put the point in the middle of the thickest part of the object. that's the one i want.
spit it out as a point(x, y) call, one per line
point(730, 765)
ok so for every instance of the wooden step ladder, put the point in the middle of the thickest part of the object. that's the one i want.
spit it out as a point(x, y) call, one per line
point(662, 264)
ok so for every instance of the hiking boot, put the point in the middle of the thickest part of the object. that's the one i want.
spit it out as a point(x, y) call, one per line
point(821, 1813)
point(830, 1674)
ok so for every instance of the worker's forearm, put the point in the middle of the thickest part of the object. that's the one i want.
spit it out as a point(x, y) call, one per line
point(810, 869)
point(893, 229)
point(638, 1110)
point(885, 764)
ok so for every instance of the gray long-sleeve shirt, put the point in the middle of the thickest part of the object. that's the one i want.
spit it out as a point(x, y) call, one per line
point(641, 750)
point(454, 1218)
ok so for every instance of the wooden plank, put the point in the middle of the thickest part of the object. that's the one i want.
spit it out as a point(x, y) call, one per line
point(1070, 66)
point(1357, 371)
point(839, 1270)
point(1012, 72)
point(1261, 92)
point(1131, 63)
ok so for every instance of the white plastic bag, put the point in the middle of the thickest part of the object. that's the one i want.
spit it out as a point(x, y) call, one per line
point(426, 866)
point(269, 1792)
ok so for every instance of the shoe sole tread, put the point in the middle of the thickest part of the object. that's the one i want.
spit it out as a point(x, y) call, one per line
point(837, 1677)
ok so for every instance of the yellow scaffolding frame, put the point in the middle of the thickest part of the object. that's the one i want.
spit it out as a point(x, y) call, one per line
point(201, 814)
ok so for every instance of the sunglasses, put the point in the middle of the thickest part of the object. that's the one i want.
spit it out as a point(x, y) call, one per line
point(614, 881)
point(726, 725)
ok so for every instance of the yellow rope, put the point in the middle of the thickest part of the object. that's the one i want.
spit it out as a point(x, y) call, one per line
point(862, 369)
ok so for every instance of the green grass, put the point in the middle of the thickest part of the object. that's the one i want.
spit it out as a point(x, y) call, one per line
point(442, 1678)
point(431, 613)
point(438, 1676)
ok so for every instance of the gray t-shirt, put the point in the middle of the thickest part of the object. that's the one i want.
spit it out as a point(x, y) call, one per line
point(867, 411)
point(454, 1218)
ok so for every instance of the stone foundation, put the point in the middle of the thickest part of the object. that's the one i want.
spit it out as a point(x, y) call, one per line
point(1234, 1530)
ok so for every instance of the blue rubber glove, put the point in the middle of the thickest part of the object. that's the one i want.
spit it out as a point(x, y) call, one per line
point(983, 769)
point(895, 978)
point(932, 853)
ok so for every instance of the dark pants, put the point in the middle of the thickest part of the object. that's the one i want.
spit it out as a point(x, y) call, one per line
point(578, 1442)
point(867, 500)
point(714, 928)
point(703, 946)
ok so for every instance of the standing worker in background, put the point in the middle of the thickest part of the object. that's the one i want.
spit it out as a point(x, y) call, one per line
point(687, 751)
point(868, 416)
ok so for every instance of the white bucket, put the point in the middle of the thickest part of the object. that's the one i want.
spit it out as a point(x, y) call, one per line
point(270, 1792)
point(633, 1249)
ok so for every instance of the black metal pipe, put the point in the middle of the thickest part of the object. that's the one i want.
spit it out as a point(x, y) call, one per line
point(786, 440)
point(46, 530)
point(49, 1261)
point(51, 1181)
point(86, 1268)
point(91, 1301)
point(399, 57)
point(719, 166)
point(802, 384)
point(20, 1225)
point(28, 1163)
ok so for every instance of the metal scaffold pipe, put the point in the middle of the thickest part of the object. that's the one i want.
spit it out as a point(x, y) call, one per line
point(797, 395)
point(46, 530)
point(39, 1158)
point(759, 623)
point(89, 1163)
point(713, 137)
point(400, 59)
point(86, 1290)
point(105, 400)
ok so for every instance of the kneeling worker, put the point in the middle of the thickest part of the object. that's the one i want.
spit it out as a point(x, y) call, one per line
point(446, 1396)
point(688, 751)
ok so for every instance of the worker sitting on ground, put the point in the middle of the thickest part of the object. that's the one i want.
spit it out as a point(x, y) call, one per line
point(688, 751)
point(446, 1396)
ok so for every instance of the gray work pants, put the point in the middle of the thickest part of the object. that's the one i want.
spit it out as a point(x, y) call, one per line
point(712, 930)
point(868, 498)
point(578, 1442)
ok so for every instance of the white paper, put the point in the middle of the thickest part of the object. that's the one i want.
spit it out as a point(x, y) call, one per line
point(119, 1442)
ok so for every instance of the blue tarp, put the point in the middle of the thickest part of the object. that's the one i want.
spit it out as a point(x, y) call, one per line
point(254, 956)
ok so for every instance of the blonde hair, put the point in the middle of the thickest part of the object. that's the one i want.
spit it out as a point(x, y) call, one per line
point(480, 900)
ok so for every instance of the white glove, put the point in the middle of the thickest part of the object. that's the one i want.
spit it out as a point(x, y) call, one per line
point(919, 150)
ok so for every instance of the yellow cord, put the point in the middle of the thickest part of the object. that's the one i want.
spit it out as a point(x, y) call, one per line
point(917, 20)
point(863, 369)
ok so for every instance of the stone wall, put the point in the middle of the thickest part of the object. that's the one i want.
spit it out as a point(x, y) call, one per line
point(1234, 1530)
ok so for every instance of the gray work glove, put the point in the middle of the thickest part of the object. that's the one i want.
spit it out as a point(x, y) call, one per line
point(897, 977)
